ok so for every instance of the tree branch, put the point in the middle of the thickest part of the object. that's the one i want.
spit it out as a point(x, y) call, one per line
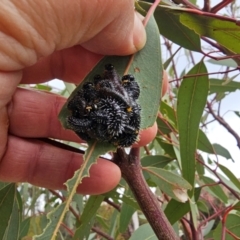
point(131, 171)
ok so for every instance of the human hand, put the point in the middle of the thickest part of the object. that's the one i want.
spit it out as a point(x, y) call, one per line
point(44, 40)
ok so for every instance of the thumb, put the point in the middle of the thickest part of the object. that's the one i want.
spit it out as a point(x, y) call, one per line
point(34, 29)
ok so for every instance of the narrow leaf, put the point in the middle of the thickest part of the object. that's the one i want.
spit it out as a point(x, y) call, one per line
point(56, 216)
point(13, 230)
point(192, 98)
point(87, 217)
point(24, 227)
point(220, 150)
point(230, 175)
point(144, 232)
point(125, 217)
point(172, 184)
point(225, 62)
point(219, 86)
point(7, 196)
point(203, 143)
point(175, 210)
point(158, 161)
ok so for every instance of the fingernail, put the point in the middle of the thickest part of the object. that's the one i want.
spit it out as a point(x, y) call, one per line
point(139, 33)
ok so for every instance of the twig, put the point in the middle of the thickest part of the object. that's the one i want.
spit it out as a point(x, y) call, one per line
point(203, 74)
point(114, 205)
point(214, 171)
point(101, 233)
point(220, 5)
point(224, 124)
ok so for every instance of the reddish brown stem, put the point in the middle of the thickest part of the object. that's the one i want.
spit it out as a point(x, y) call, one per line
point(220, 6)
point(131, 171)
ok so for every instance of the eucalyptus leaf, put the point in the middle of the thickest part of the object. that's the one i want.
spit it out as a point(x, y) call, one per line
point(230, 175)
point(172, 184)
point(223, 30)
point(175, 210)
point(224, 62)
point(232, 224)
point(222, 151)
point(125, 217)
point(94, 150)
point(87, 216)
point(147, 70)
point(219, 86)
point(203, 143)
point(192, 97)
point(170, 26)
point(13, 230)
point(144, 232)
point(7, 197)
point(158, 161)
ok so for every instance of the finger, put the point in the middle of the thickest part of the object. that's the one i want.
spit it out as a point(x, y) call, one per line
point(41, 164)
point(38, 29)
point(70, 65)
point(9, 82)
point(40, 110)
point(146, 136)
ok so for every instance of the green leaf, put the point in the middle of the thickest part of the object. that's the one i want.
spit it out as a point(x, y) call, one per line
point(158, 161)
point(215, 189)
point(87, 217)
point(219, 86)
point(208, 228)
point(230, 175)
point(194, 213)
point(144, 232)
point(117, 197)
point(125, 217)
point(94, 150)
point(24, 227)
point(170, 59)
point(220, 150)
point(7, 196)
point(168, 20)
point(202, 206)
point(172, 184)
point(192, 97)
point(13, 230)
point(169, 113)
point(200, 167)
point(163, 127)
point(3, 184)
point(222, 29)
point(237, 206)
point(203, 143)
point(232, 224)
point(167, 147)
point(146, 68)
point(237, 113)
point(224, 62)
point(176, 210)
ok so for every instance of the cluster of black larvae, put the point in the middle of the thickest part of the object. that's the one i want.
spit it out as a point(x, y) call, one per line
point(106, 109)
